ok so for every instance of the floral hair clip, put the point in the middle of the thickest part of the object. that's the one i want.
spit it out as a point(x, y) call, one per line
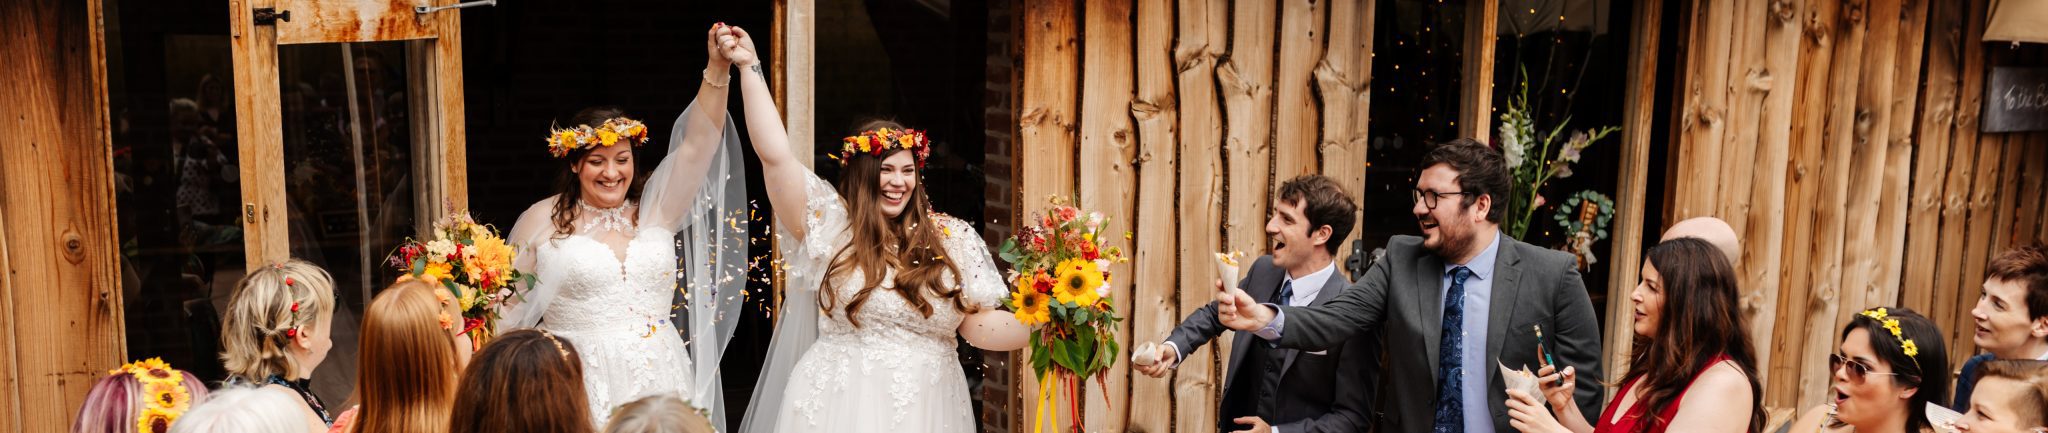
point(1884, 318)
point(165, 388)
point(880, 141)
point(292, 332)
point(563, 140)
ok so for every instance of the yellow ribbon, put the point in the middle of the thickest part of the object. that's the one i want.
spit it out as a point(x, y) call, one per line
point(1045, 403)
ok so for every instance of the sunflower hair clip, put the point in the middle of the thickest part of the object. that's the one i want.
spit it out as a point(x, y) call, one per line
point(879, 142)
point(561, 141)
point(1891, 324)
point(167, 399)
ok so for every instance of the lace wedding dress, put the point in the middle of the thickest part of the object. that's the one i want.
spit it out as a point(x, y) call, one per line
point(610, 285)
point(898, 372)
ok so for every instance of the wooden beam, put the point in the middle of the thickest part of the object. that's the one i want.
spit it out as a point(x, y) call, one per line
point(1796, 297)
point(1154, 304)
point(799, 76)
point(1295, 119)
point(1046, 135)
point(328, 21)
point(2025, 226)
point(1763, 233)
point(62, 325)
point(1978, 243)
point(451, 126)
point(1866, 135)
point(1704, 117)
point(1246, 84)
point(1107, 146)
point(1632, 184)
point(1204, 24)
point(1743, 92)
point(1475, 99)
point(1898, 171)
point(258, 132)
point(1936, 124)
point(1837, 177)
point(1344, 80)
point(1955, 281)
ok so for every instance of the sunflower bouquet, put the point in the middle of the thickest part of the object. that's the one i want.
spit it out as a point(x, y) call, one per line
point(1059, 265)
point(473, 262)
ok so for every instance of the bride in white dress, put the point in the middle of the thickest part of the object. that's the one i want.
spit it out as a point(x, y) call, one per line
point(895, 281)
point(605, 254)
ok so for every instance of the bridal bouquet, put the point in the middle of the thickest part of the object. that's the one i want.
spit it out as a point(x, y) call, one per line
point(1059, 265)
point(473, 262)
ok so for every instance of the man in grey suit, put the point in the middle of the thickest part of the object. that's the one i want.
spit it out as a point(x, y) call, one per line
point(1271, 389)
point(1463, 296)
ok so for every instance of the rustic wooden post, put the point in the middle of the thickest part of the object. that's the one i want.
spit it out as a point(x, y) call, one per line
point(1046, 139)
point(1344, 82)
point(1247, 86)
point(1155, 302)
point(1108, 181)
point(1475, 99)
point(1632, 185)
point(1203, 26)
point(60, 300)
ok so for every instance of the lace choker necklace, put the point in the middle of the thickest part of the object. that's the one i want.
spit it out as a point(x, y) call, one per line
point(608, 219)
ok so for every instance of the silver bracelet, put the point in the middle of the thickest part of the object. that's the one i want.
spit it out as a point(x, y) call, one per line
point(707, 80)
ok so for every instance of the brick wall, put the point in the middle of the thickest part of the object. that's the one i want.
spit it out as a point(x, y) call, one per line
point(999, 399)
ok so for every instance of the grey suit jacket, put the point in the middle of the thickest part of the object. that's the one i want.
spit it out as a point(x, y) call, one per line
point(1401, 295)
point(1329, 391)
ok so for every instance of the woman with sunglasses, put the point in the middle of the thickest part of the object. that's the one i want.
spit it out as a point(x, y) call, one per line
point(1689, 340)
point(1891, 364)
point(2011, 396)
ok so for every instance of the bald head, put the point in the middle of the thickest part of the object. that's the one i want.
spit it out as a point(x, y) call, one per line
point(1710, 229)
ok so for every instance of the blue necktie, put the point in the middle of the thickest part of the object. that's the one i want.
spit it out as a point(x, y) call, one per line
point(1450, 408)
point(1281, 299)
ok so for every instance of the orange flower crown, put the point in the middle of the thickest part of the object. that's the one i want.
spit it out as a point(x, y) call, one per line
point(879, 142)
point(166, 398)
point(563, 140)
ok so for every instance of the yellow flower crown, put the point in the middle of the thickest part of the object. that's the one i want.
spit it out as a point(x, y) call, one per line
point(165, 388)
point(878, 142)
point(563, 140)
point(1890, 324)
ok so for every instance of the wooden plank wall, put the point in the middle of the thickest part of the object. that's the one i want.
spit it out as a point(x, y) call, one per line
point(57, 245)
point(1841, 140)
point(1190, 112)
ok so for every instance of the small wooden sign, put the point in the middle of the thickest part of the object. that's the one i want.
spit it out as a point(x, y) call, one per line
point(2016, 100)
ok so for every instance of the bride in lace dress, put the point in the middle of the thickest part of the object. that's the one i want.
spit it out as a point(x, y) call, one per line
point(895, 283)
point(605, 252)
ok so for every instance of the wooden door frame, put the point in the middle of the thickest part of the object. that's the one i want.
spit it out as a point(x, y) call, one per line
point(440, 158)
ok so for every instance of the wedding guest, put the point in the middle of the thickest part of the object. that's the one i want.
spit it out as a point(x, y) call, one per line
point(409, 358)
point(243, 409)
point(1280, 389)
point(278, 329)
point(523, 381)
point(1437, 295)
point(1710, 229)
point(658, 414)
point(1690, 340)
point(2011, 397)
point(2011, 316)
point(1891, 364)
point(140, 397)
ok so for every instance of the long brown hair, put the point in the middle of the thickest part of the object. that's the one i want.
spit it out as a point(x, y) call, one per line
point(408, 366)
point(523, 381)
point(569, 187)
point(1702, 320)
point(912, 242)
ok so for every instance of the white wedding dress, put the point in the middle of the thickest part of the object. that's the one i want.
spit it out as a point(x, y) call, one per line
point(609, 286)
point(898, 372)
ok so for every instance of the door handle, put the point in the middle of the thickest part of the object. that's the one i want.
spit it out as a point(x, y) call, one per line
point(433, 9)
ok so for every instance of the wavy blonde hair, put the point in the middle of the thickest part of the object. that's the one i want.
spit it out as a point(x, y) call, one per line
point(658, 414)
point(408, 373)
point(253, 339)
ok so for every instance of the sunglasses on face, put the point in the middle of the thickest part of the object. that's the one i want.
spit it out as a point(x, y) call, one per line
point(1857, 369)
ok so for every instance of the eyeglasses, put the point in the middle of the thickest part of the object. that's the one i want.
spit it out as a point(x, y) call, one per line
point(1857, 369)
point(1429, 198)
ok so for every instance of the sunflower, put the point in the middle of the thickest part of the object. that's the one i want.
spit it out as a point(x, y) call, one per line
point(607, 137)
point(154, 370)
point(1031, 307)
point(440, 271)
point(1077, 282)
point(154, 420)
point(168, 395)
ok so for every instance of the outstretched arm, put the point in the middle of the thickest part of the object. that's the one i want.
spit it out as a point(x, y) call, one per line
point(781, 173)
point(672, 186)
